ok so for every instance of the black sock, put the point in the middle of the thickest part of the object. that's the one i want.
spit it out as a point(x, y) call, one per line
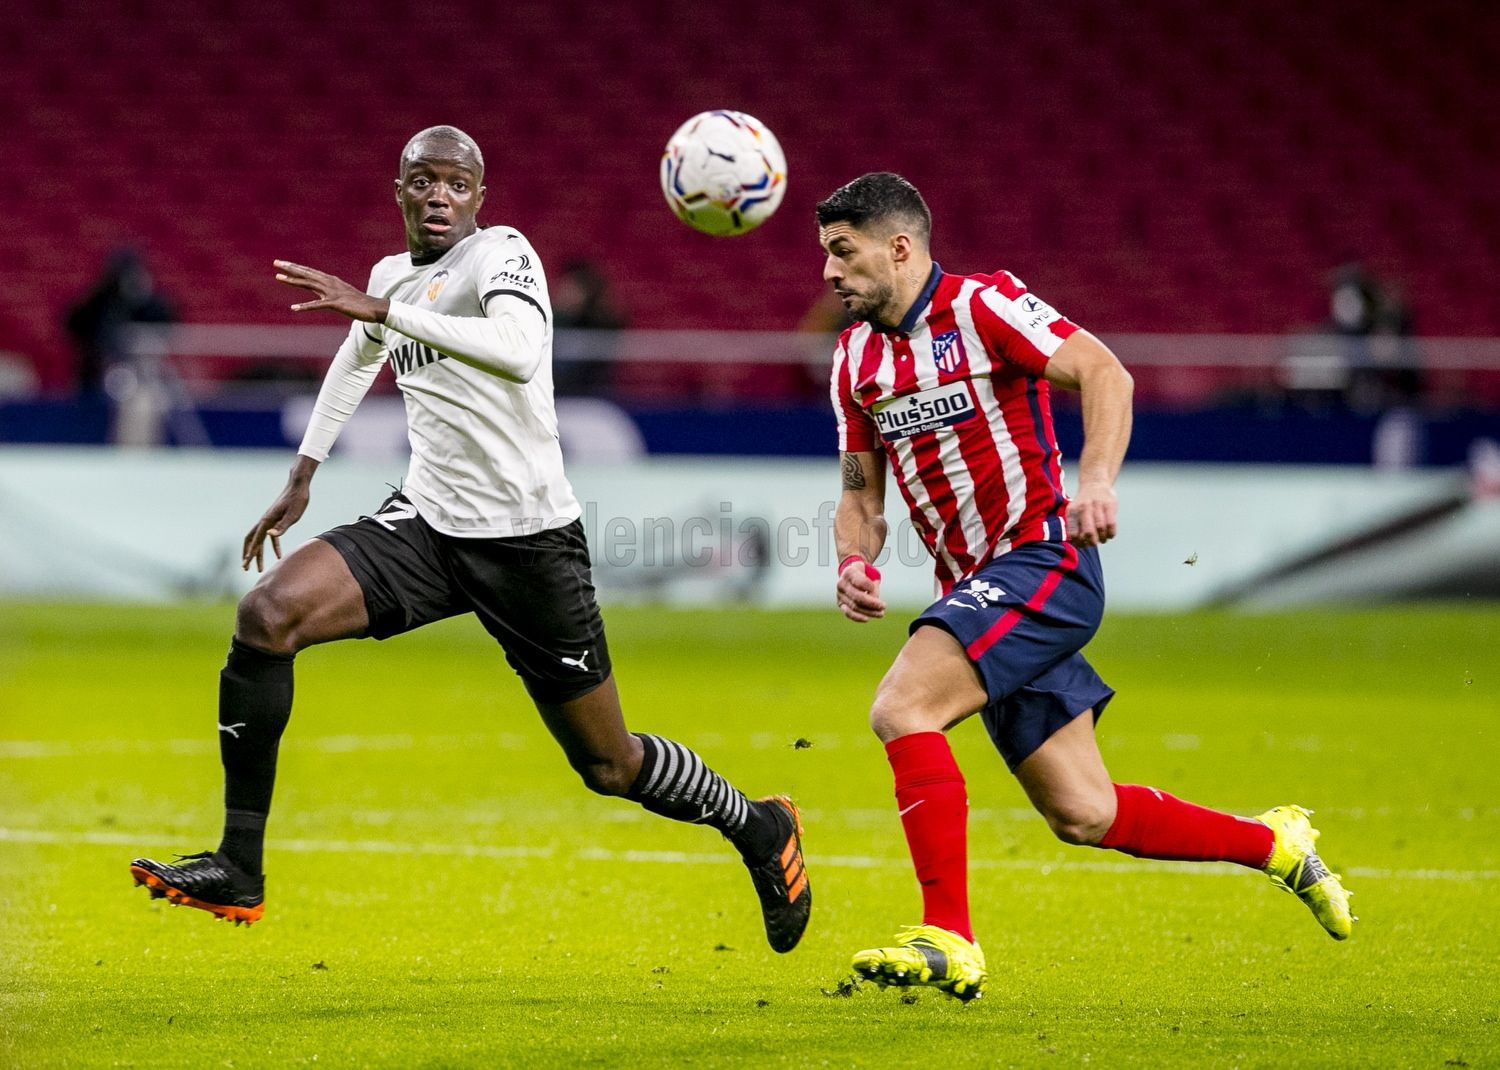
point(676, 783)
point(244, 840)
point(255, 703)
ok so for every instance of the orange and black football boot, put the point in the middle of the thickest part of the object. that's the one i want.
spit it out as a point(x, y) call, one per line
point(207, 881)
point(781, 880)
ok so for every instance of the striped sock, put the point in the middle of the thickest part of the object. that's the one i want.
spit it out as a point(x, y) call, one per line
point(674, 782)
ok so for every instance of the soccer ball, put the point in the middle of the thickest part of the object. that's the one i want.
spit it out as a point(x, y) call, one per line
point(723, 172)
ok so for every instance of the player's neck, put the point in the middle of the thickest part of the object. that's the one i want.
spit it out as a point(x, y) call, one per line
point(422, 255)
point(911, 280)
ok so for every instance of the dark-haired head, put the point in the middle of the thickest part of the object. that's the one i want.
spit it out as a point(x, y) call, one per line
point(880, 204)
point(876, 231)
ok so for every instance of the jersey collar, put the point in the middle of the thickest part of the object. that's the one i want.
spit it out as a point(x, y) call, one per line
point(909, 321)
point(432, 258)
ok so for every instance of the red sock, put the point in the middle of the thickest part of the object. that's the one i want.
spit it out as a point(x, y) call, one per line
point(1153, 824)
point(934, 805)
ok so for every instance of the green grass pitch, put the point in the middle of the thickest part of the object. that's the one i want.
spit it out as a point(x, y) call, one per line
point(444, 893)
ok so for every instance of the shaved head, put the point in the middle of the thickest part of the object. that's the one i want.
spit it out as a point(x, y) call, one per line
point(448, 142)
point(440, 189)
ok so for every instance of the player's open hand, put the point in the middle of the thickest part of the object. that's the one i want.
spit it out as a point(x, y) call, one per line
point(859, 592)
point(285, 511)
point(1091, 515)
point(334, 293)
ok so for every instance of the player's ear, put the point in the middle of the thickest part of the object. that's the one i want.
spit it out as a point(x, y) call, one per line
point(479, 201)
point(398, 191)
point(901, 247)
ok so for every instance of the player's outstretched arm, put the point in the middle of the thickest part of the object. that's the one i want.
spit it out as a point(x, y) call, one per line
point(507, 341)
point(285, 511)
point(859, 530)
point(334, 294)
point(1085, 364)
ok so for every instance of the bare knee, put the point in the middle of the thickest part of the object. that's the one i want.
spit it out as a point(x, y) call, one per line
point(610, 774)
point(899, 710)
point(931, 687)
point(269, 620)
point(606, 778)
point(1083, 822)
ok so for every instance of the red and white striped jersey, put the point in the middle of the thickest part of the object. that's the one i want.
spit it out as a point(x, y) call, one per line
point(956, 397)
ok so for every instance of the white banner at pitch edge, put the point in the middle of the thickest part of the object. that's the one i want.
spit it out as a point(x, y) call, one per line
point(156, 526)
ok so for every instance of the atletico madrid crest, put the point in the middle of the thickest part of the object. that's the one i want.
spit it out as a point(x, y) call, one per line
point(947, 352)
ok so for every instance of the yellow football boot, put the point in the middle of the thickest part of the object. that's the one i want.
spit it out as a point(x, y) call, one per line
point(926, 955)
point(1295, 866)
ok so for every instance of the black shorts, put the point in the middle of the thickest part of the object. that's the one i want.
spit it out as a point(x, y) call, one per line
point(533, 593)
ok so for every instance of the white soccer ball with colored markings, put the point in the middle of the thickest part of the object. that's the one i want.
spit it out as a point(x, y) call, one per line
point(723, 172)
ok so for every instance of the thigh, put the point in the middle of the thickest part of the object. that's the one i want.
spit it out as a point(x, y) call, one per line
point(1023, 613)
point(309, 598)
point(930, 687)
point(400, 564)
point(1066, 774)
point(535, 595)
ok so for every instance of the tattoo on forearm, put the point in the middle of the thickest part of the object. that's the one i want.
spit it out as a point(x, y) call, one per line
point(854, 473)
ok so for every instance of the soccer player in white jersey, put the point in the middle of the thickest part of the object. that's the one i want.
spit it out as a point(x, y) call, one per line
point(944, 380)
point(485, 523)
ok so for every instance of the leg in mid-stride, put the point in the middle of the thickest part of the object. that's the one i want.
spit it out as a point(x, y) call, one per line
point(535, 595)
point(1018, 665)
point(391, 573)
point(311, 597)
point(668, 778)
point(1067, 783)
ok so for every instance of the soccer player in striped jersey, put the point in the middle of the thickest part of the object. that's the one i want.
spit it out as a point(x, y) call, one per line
point(945, 380)
point(486, 523)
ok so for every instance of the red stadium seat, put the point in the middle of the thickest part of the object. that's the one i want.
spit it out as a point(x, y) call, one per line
point(1211, 192)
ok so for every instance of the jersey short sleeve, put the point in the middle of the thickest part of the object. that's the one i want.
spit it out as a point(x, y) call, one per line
point(857, 433)
point(509, 271)
point(1016, 325)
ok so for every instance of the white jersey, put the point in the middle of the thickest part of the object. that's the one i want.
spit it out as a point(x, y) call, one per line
point(469, 337)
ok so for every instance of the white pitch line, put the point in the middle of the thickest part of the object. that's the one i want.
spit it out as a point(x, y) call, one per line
point(341, 744)
point(15, 749)
point(297, 846)
point(686, 858)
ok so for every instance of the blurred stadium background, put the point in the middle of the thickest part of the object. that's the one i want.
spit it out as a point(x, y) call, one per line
point(1281, 215)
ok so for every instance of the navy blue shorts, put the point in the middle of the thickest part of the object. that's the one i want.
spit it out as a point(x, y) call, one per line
point(1022, 619)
